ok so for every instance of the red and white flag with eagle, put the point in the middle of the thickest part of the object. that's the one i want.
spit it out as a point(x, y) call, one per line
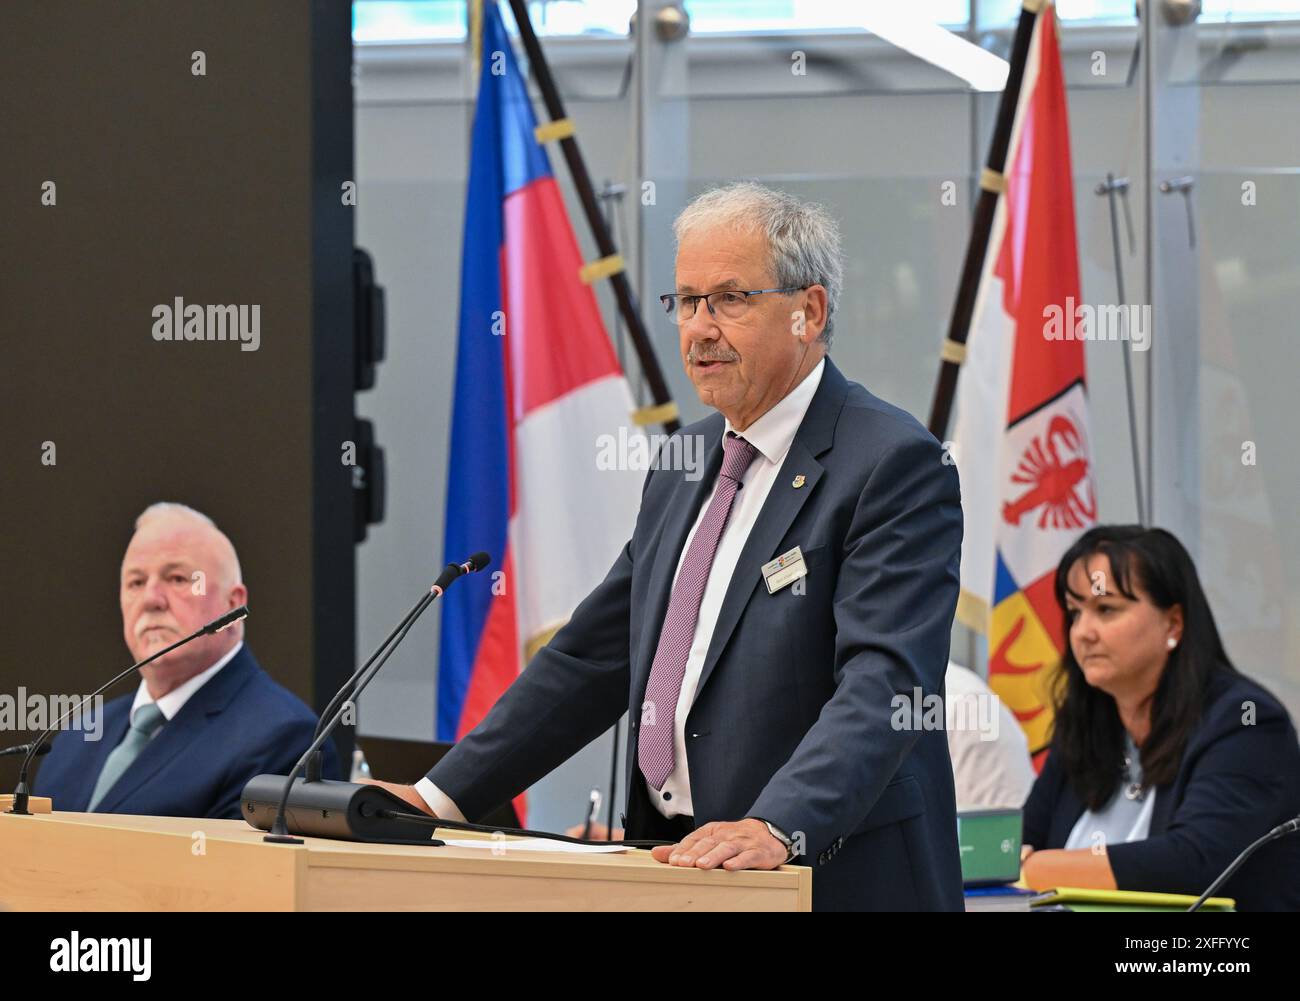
point(1022, 433)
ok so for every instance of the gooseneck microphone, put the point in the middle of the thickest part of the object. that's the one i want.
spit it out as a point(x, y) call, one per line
point(1280, 831)
point(450, 573)
point(220, 623)
point(22, 793)
point(309, 763)
point(24, 748)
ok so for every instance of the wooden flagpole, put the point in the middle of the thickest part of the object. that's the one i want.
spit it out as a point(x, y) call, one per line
point(610, 264)
point(992, 184)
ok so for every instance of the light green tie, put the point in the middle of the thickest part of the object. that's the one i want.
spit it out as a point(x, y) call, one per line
point(148, 718)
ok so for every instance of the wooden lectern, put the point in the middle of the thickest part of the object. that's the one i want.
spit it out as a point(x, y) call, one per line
point(114, 862)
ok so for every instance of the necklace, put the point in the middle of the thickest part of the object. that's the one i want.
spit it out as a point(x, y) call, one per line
point(1132, 789)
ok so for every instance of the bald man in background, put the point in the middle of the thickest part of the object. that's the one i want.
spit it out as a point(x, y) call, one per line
point(205, 718)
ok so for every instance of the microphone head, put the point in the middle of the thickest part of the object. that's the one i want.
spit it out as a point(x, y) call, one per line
point(478, 561)
point(227, 620)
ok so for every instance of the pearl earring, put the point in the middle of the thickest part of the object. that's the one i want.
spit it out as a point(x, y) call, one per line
point(1171, 642)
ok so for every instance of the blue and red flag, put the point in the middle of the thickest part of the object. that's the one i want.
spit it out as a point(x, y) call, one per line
point(538, 388)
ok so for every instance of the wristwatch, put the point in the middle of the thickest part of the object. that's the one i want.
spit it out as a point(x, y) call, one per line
point(780, 836)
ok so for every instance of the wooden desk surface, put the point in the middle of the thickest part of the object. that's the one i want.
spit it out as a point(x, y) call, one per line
point(92, 861)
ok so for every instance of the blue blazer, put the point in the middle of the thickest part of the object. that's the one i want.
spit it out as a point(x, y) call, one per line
point(792, 716)
point(1236, 782)
point(239, 724)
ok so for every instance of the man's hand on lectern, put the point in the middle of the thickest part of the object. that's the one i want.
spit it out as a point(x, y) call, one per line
point(745, 844)
point(402, 792)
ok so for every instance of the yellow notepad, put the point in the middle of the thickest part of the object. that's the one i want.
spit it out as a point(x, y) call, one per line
point(1127, 898)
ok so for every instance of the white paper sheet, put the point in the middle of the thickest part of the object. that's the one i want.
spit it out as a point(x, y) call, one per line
point(533, 845)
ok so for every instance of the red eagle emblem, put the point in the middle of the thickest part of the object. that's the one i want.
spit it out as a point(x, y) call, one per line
point(1057, 485)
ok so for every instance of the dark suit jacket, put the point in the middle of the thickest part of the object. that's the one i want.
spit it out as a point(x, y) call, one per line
point(1235, 783)
point(791, 719)
point(239, 724)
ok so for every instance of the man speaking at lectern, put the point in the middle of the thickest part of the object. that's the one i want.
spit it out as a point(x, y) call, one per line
point(762, 621)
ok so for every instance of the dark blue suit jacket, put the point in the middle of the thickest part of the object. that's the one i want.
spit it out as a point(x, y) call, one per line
point(1236, 782)
point(791, 719)
point(239, 724)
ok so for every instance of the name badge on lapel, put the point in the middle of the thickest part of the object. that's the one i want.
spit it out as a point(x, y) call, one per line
point(785, 569)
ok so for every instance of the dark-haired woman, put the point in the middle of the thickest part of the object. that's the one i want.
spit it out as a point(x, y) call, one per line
point(1165, 761)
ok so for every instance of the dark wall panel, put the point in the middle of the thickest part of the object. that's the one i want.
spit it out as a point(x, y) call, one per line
point(220, 188)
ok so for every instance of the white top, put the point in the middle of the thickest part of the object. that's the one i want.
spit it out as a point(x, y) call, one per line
point(171, 703)
point(772, 435)
point(991, 766)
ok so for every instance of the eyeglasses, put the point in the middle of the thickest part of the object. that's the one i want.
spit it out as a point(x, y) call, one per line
point(729, 303)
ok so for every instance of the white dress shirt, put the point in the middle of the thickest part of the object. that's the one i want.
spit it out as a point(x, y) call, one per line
point(772, 435)
point(170, 704)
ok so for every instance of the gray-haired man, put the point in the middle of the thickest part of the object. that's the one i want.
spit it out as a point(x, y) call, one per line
point(761, 621)
point(205, 718)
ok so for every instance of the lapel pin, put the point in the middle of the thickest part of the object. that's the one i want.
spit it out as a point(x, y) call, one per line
point(798, 481)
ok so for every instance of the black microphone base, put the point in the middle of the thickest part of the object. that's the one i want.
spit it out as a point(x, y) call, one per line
point(21, 796)
point(342, 811)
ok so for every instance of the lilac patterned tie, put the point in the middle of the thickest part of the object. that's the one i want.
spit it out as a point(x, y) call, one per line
point(658, 715)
